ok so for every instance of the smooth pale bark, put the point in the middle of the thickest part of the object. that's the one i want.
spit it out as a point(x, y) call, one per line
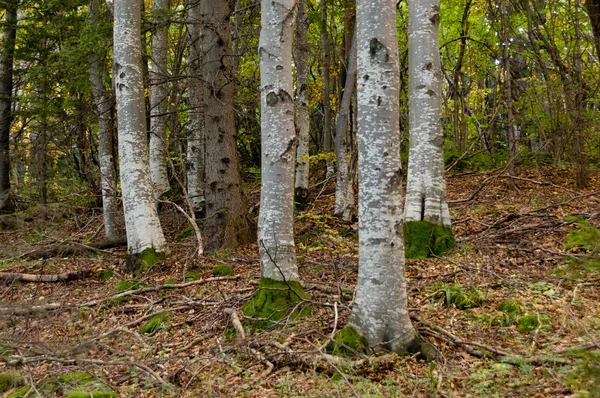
point(158, 99)
point(195, 122)
point(7, 51)
point(225, 225)
point(344, 148)
point(108, 171)
point(325, 80)
point(380, 311)
point(426, 184)
point(302, 102)
point(141, 217)
point(278, 142)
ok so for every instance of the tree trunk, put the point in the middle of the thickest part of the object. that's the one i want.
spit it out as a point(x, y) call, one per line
point(225, 225)
point(325, 48)
point(510, 125)
point(593, 10)
point(380, 311)
point(302, 101)
point(158, 99)
point(278, 142)
point(141, 217)
point(7, 51)
point(108, 171)
point(195, 130)
point(344, 148)
point(426, 184)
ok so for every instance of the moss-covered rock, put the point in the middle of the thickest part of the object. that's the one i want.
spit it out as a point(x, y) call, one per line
point(223, 270)
point(347, 342)
point(8, 381)
point(275, 300)
point(423, 239)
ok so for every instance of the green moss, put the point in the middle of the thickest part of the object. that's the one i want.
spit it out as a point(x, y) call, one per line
point(68, 383)
point(105, 274)
point(510, 307)
point(8, 381)
point(158, 321)
point(124, 285)
point(20, 393)
point(275, 300)
point(423, 239)
point(94, 394)
point(170, 281)
point(186, 232)
point(223, 270)
point(137, 263)
point(347, 342)
point(531, 322)
point(193, 275)
point(76, 378)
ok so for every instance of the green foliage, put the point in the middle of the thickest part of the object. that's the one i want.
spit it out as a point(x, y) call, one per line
point(509, 307)
point(531, 322)
point(193, 275)
point(461, 297)
point(223, 270)
point(423, 239)
point(124, 285)
point(170, 281)
point(105, 274)
point(93, 394)
point(9, 381)
point(158, 321)
point(275, 300)
point(586, 376)
point(73, 384)
point(587, 237)
point(347, 342)
point(185, 232)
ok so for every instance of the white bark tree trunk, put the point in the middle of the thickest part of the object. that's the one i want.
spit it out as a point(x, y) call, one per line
point(225, 225)
point(158, 99)
point(108, 171)
point(195, 133)
point(426, 183)
point(278, 141)
point(325, 79)
point(344, 148)
point(302, 100)
point(380, 311)
point(141, 217)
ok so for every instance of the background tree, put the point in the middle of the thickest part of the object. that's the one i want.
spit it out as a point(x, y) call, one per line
point(145, 237)
point(225, 225)
point(6, 94)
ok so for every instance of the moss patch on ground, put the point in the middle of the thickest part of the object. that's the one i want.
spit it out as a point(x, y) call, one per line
point(73, 385)
point(223, 270)
point(9, 381)
point(138, 263)
point(275, 300)
point(423, 239)
point(158, 321)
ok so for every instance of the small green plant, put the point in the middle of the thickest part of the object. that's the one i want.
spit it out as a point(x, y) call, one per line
point(158, 321)
point(185, 232)
point(509, 307)
point(223, 270)
point(193, 275)
point(587, 237)
point(586, 376)
point(531, 322)
point(9, 381)
point(461, 297)
point(105, 274)
point(124, 285)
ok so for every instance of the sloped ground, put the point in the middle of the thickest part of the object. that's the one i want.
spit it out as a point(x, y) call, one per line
point(503, 310)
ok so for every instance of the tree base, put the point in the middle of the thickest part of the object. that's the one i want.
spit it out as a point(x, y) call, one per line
point(423, 239)
point(137, 263)
point(348, 342)
point(274, 301)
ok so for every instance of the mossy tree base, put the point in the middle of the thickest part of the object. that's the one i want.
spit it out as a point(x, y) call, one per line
point(423, 239)
point(349, 342)
point(275, 300)
point(137, 263)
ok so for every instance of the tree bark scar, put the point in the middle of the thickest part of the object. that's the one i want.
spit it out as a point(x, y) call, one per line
point(435, 19)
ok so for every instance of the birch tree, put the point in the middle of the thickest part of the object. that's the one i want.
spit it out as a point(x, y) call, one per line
point(225, 225)
point(302, 100)
point(145, 239)
point(7, 50)
point(104, 101)
point(426, 210)
point(380, 312)
point(278, 142)
point(195, 135)
point(158, 99)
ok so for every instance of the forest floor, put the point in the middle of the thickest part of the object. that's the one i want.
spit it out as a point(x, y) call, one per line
point(505, 309)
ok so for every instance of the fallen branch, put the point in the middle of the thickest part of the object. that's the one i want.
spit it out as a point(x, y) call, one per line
point(158, 288)
point(21, 310)
point(10, 277)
